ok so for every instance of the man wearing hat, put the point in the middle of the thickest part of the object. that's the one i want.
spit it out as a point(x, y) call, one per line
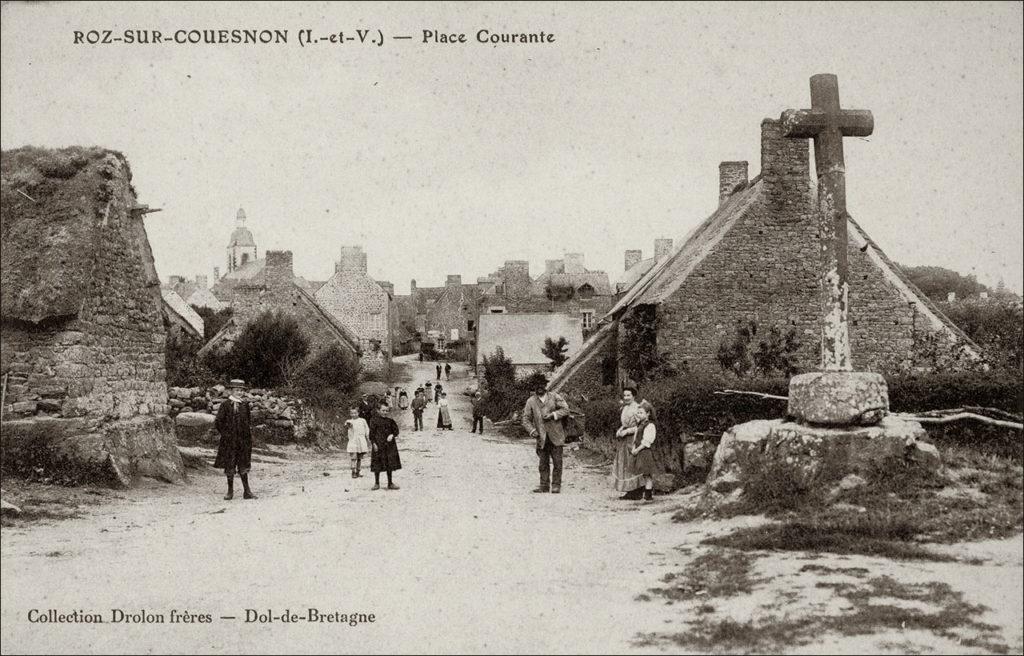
point(542, 419)
point(234, 453)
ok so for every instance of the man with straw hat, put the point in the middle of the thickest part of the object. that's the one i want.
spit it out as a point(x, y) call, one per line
point(234, 453)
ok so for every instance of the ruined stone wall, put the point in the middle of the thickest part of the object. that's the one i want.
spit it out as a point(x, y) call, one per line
point(108, 361)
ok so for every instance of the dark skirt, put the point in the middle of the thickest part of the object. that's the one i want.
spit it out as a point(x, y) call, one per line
point(644, 463)
point(385, 458)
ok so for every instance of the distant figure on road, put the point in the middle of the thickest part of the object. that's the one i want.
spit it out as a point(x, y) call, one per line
point(358, 439)
point(403, 399)
point(367, 407)
point(447, 371)
point(438, 371)
point(478, 412)
point(642, 443)
point(384, 448)
point(444, 416)
point(418, 404)
point(438, 391)
point(542, 418)
point(430, 390)
point(234, 452)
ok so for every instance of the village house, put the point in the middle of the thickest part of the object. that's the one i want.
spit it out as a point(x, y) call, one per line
point(754, 262)
point(275, 287)
point(82, 340)
point(181, 321)
point(636, 266)
point(451, 316)
point(362, 305)
point(521, 338)
point(196, 292)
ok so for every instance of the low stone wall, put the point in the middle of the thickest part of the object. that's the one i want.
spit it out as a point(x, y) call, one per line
point(275, 418)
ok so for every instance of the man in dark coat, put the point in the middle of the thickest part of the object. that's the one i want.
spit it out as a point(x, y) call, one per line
point(383, 447)
point(448, 370)
point(542, 419)
point(234, 452)
point(367, 407)
point(438, 368)
point(418, 404)
point(478, 412)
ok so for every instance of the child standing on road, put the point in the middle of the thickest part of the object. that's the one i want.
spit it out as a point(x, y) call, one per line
point(358, 439)
point(646, 433)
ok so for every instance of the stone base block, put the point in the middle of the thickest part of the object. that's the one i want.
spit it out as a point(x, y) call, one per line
point(83, 450)
point(195, 429)
point(839, 398)
point(817, 455)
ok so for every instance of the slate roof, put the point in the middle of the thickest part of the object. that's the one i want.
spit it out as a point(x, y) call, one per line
point(596, 279)
point(521, 336)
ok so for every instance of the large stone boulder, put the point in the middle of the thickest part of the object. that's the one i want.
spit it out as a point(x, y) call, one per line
point(839, 398)
point(817, 455)
point(88, 450)
point(195, 429)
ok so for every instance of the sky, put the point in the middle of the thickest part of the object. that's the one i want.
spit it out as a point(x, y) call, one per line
point(452, 158)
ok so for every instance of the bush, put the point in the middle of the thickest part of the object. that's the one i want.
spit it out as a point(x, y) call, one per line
point(184, 366)
point(954, 390)
point(268, 352)
point(328, 379)
point(997, 326)
point(213, 321)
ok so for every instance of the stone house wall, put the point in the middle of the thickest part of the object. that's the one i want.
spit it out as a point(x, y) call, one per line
point(765, 269)
point(364, 307)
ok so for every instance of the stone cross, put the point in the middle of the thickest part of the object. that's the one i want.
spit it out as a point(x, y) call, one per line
point(827, 124)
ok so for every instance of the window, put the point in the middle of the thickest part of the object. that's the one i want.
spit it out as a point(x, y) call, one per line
point(470, 325)
point(588, 319)
point(585, 291)
point(497, 309)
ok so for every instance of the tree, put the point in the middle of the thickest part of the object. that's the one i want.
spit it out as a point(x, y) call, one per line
point(775, 354)
point(936, 282)
point(269, 350)
point(555, 350)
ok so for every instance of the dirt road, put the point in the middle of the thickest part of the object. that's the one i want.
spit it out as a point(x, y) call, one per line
point(464, 558)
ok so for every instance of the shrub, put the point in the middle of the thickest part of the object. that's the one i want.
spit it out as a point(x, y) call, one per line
point(269, 350)
point(997, 326)
point(774, 355)
point(329, 376)
point(184, 366)
point(554, 350)
point(954, 390)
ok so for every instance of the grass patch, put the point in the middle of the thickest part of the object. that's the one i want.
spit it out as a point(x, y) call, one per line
point(933, 607)
point(978, 496)
point(714, 574)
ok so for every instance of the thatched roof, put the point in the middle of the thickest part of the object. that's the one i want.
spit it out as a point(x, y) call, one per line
point(51, 204)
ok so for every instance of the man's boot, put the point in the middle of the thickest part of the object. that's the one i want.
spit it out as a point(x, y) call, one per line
point(648, 494)
point(246, 492)
point(231, 489)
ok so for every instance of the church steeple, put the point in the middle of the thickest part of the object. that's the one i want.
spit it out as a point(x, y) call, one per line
point(242, 247)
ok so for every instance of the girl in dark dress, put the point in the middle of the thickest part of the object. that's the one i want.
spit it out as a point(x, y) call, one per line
point(642, 443)
point(384, 448)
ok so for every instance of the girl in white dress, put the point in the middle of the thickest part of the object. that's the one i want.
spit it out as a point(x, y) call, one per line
point(358, 439)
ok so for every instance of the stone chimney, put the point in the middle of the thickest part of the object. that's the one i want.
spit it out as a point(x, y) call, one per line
point(454, 280)
point(950, 297)
point(216, 274)
point(278, 270)
point(730, 175)
point(412, 287)
point(786, 175)
point(201, 282)
point(633, 258)
point(574, 263)
point(515, 277)
point(662, 249)
point(352, 259)
point(554, 266)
